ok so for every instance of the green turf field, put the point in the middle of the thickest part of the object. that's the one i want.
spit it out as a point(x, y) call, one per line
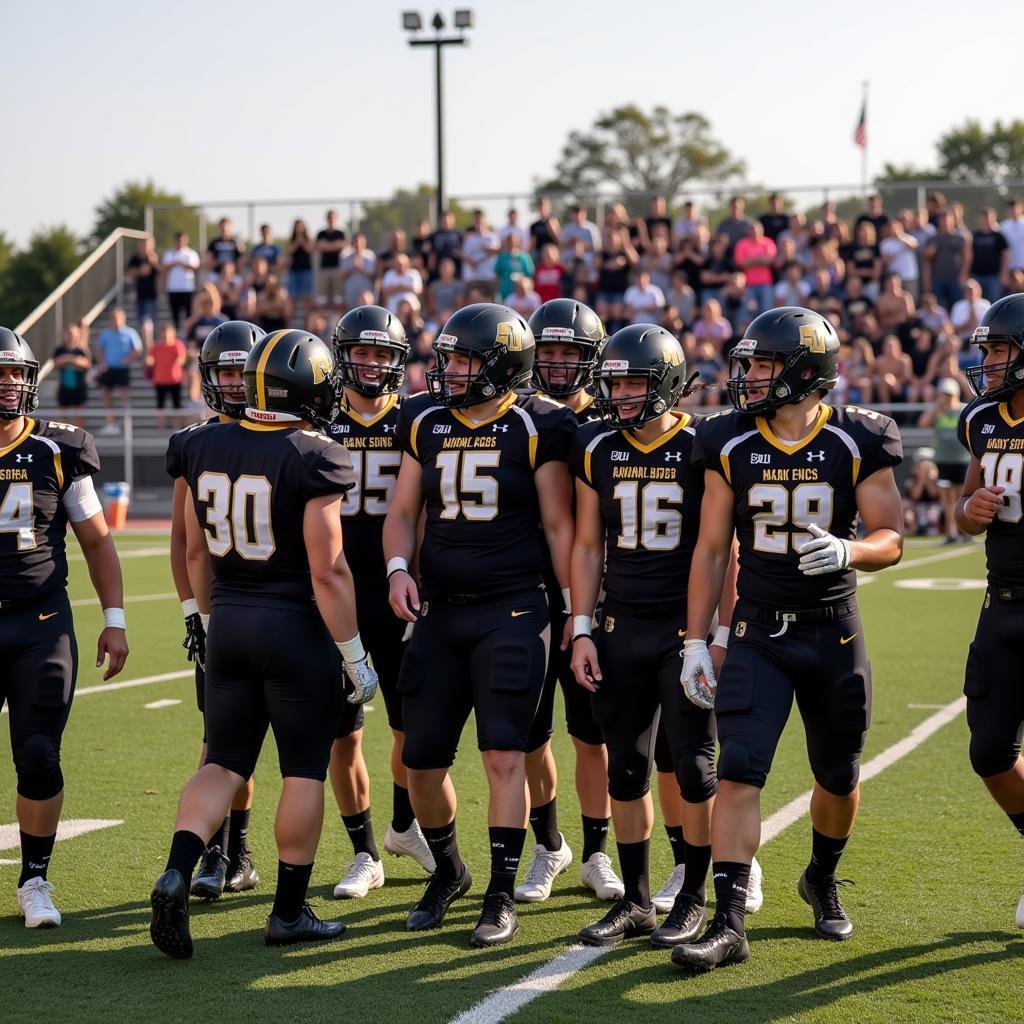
point(937, 867)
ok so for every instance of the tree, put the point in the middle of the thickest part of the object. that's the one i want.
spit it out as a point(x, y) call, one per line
point(630, 150)
point(125, 207)
point(404, 210)
point(7, 251)
point(34, 272)
point(972, 153)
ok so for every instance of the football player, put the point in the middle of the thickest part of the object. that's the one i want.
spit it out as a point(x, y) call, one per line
point(637, 512)
point(371, 349)
point(264, 545)
point(46, 472)
point(487, 466)
point(790, 475)
point(991, 428)
point(568, 335)
point(226, 864)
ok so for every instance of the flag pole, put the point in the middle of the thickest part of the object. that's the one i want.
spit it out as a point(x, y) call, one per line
point(864, 148)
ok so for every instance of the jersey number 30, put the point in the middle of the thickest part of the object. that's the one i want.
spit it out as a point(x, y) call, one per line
point(237, 515)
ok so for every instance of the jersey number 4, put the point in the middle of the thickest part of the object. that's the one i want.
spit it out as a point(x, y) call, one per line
point(237, 515)
point(16, 515)
point(1005, 471)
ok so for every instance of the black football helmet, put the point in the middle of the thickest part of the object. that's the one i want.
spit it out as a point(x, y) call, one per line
point(566, 322)
point(371, 325)
point(805, 348)
point(18, 398)
point(290, 375)
point(640, 350)
point(502, 343)
point(226, 345)
point(1001, 324)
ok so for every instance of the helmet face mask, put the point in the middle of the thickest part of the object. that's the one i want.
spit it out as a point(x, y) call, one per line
point(1001, 324)
point(370, 327)
point(18, 396)
point(227, 347)
point(565, 322)
point(557, 376)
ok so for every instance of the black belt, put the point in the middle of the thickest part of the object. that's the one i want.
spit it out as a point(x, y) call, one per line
point(825, 613)
point(646, 611)
point(17, 604)
point(488, 598)
point(1008, 595)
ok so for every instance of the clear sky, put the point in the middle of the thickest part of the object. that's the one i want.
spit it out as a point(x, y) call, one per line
point(310, 98)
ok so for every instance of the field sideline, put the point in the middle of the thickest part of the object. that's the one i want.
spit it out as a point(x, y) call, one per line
point(937, 867)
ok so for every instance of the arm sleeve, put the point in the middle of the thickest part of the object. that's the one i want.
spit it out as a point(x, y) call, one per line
point(578, 455)
point(330, 471)
point(172, 461)
point(706, 452)
point(885, 452)
point(555, 432)
point(84, 459)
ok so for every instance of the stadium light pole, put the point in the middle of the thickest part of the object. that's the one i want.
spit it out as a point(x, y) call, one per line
point(412, 22)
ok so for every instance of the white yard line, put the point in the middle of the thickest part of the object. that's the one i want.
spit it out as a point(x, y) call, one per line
point(127, 684)
point(549, 976)
point(131, 553)
point(85, 602)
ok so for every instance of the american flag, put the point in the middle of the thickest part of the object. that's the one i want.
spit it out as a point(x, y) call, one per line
point(860, 133)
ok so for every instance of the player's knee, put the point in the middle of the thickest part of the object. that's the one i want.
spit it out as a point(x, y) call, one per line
point(698, 781)
point(423, 757)
point(736, 765)
point(628, 775)
point(37, 764)
point(839, 779)
point(988, 758)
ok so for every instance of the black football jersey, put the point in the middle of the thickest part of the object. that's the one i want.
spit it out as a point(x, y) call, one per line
point(250, 484)
point(650, 498)
point(376, 455)
point(36, 470)
point(481, 532)
point(780, 487)
point(172, 461)
point(996, 440)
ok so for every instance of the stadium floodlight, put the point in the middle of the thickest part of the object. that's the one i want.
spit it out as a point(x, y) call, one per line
point(464, 18)
point(411, 21)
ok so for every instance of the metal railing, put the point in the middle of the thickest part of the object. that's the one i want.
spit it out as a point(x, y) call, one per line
point(82, 295)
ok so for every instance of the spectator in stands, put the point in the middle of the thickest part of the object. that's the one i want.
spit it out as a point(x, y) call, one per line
point(330, 246)
point(409, 317)
point(738, 306)
point(934, 208)
point(717, 268)
point(658, 260)
point(776, 220)
point(398, 244)
point(689, 224)
point(681, 297)
point(893, 371)
point(445, 242)
point(823, 297)
point(513, 227)
point(990, 255)
point(947, 257)
point(119, 346)
point(898, 250)
point(167, 360)
point(548, 274)
point(401, 283)
point(755, 256)
point(643, 302)
point(72, 360)
point(300, 266)
point(255, 282)
point(225, 248)
point(444, 294)
point(1013, 231)
point(267, 250)
point(207, 316)
point(273, 309)
point(736, 226)
point(613, 266)
point(359, 271)
point(524, 300)
point(894, 306)
point(873, 214)
point(1014, 282)
point(792, 290)
point(967, 312)
point(951, 458)
point(657, 222)
point(545, 230)
point(480, 250)
point(856, 307)
point(922, 498)
point(922, 346)
point(180, 265)
point(862, 258)
point(945, 362)
point(144, 270)
point(932, 315)
point(709, 361)
point(858, 372)
point(232, 290)
point(579, 229)
point(710, 325)
point(691, 254)
point(512, 263)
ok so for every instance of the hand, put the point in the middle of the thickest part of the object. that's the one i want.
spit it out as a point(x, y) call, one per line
point(584, 664)
point(697, 677)
point(717, 653)
point(984, 505)
point(567, 633)
point(404, 596)
point(824, 554)
point(112, 643)
point(195, 639)
point(363, 677)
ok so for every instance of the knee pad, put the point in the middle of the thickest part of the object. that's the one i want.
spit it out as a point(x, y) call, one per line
point(734, 765)
point(37, 763)
point(697, 779)
point(839, 779)
point(988, 759)
point(628, 775)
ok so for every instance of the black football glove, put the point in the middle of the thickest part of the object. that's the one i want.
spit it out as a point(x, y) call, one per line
point(195, 639)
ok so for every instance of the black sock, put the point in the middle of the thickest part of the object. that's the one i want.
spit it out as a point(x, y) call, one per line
point(731, 881)
point(675, 840)
point(1017, 821)
point(402, 814)
point(220, 837)
point(595, 836)
point(635, 863)
point(444, 845)
point(544, 822)
point(292, 883)
point(238, 835)
point(35, 856)
point(360, 831)
point(825, 854)
point(506, 849)
point(697, 860)
point(186, 849)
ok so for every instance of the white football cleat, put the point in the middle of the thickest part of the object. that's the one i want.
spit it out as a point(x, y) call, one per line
point(598, 874)
point(665, 897)
point(35, 904)
point(364, 874)
point(410, 843)
point(546, 866)
point(755, 894)
point(1020, 910)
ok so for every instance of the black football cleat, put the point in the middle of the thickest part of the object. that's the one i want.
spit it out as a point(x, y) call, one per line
point(307, 927)
point(208, 881)
point(830, 920)
point(169, 925)
point(498, 922)
point(683, 924)
point(625, 920)
point(719, 946)
point(438, 896)
point(241, 874)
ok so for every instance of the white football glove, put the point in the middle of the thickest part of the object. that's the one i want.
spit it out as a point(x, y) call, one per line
point(363, 677)
point(698, 675)
point(825, 553)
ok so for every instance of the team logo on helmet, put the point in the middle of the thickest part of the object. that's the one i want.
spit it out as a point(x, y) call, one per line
point(812, 337)
point(511, 335)
point(322, 366)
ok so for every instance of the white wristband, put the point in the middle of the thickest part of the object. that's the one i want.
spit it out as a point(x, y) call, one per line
point(189, 607)
point(582, 625)
point(204, 618)
point(397, 564)
point(113, 618)
point(566, 600)
point(721, 637)
point(351, 650)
